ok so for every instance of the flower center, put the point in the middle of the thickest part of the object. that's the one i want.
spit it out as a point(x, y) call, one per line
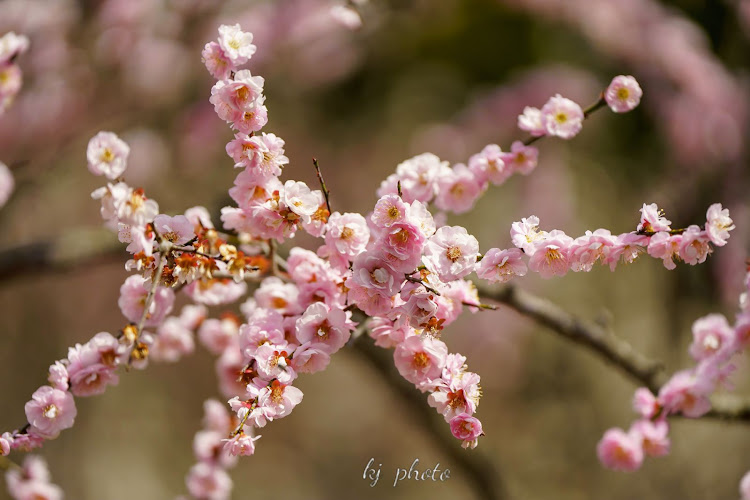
point(50, 412)
point(623, 93)
point(347, 233)
point(421, 360)
point(107, 155)
point(561, 117)
point(453, 253)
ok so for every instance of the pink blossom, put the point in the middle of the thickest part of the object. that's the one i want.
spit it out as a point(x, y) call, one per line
point(451, 253)
point(623, 94)
point(230, 370)
point(387, 334)
point(215, 292)
point(240, 445)
point(7, 184)
point(665, 246)
point(456, 395)
point(562, 117)
point(622, 451)
point(389, 210)
point(192, 315)
point(236, 44)
point(694, 246)
point(208, 447)
point(418, 176)
point(50, 411)
point(627, 246)
point(687, 393)
point(264, 326)
point(372, 271)
point(586, 250)
point(132, 300)
point(404, 242)
point(208, 481)
point(253, 118)
point(526, 233)
point(276, 400)
point(718, 224)
point(11, 45)
point(347, 234)
point(273, 361)
point(458, 189)
point(27, 442)
point(551, 255)
point(107, 155)
point(233, 98)
point(652, 219)
point(501, 265)
point(275, 294)
point(58, 376)
point(489, 165)
point(654, 436)
point(420, 359)
point(172, 342)
point(321, 324)
point(199, 217)
point(521, 158)
point(262, 155)
point(645, 403)
point(420, 308)
point(466, 428)
point(452, 298)
point(712, 338)
point(218, 334)
point(311, 357)
point(32, 481)
point(531, 121)
point(91, 366)
point(178, 229)
point(215, 416)
point(217, 63)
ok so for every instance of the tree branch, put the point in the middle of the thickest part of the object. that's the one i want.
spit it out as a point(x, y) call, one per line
point(606, 345)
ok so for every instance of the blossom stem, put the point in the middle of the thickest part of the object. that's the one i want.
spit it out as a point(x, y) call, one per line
point(322, 184)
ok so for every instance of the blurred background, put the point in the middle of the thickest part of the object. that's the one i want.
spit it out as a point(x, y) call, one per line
point(448, 77)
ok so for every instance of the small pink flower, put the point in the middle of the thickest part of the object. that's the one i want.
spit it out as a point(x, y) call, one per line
point(451, 253)
point(299, 199)
point(31, 482)
point(218, 334)
point(262, 155)
point(277, 400)
point(623, 94)
point(7, 184)
point(132, 300)
point(718, 224)
point(418, 176)
point(586, 250)
point(178, 229)
point(526, 233)
point(208, 447)
point(279, 296)
point(694, 246)
point(208, 481)
point(91, 367)
point(652, 220)
point(626, 247)
point(216, 417)
point(501, 265)
point(311, 357)
point(551, 255)
point(456, 395)
point(712, 337)
point(217, 63)
point(273, 361)
point(645, 403)
point(50, 411)
point(420, 359)
point(107, 155)
point(240, 445)
point(531, 121)
point(347, 234)
point(521, 158)
point(466, 428)
point(387, 334)
point(489, 166)
point(321, 324)
point(458, 189)
point(172, 342)
point(372, 271)
point(622, 451)
point(654, 436)
point(58, 376)
point(236, 44)
point(562, 117)
point(687, 393)
point(665, 246)
point(404, 241)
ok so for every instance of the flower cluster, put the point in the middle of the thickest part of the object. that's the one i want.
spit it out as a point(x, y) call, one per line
point(32, 481)
point(11, 78)
point(715, 344)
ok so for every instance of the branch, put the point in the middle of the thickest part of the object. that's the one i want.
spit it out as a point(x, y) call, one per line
point(608, 346)
point(482, 474)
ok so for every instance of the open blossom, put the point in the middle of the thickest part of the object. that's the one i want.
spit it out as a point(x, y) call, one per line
point(6, 183)
point(551, 255)
point(236, 44)
point(619, 450)
point(347, 234)
point(418, 176)
point(389, 210)
point(586, 250)
point(321, 324)
point(623, 94)
point(311, 357)
point(372, 271)
point(489, 166)
point(718, 224)
point(208, 481)
point(466, 428)
point(654, 436)
point(107, 155)
point(92, 366)
point(645, 403)
point(458, 189)
point(276, 400)
point(50, 411)
point(451, 253)
point(262, 155)
point(687, 393)
point(665, 246)
point(458, 394)
point(420, 359)
point(531, 121)
point(526, 233)
point(178, 229)
point(712, 337)
point(501, 265)
point(694, 246)
point(653, 220)
point(173, 341)
point(562, 117)
point(217, 63)
point(241, 444)
point(521, 158)
point(132, 299)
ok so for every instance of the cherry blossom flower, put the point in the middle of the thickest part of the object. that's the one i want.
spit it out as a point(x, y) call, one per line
point(712, 338)
point(132, 299)
point(178, 229)
point(241, 444)
point(694, 246)
point(665, 246)
point(718, 224)
point(526, 233)
point(501, 265)
point(50, 411)
point(531, 121)
point(623, 94)
point(420, 359)
point(645, 403)
point(562, 117)
point(458, 189)
point(418, 176)
point(107, 155)
point(347, 234)
point(217, 63)
point(208, 481)
point(654, 436)
point(686, 393)
point(173, 341)
point(236, 44)
point(32, 481)
point(520, 158)
point(652, 220)
point(216, 335)
point(451, 253)
point(551, 255)
point(466, 428)
point(619, 450)
point(489, 165)
point(321, 324)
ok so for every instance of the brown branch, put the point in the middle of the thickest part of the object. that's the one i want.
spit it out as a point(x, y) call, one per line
point(606, 345)
point(482, 474)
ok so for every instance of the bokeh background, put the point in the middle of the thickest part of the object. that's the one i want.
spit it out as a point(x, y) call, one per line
point(446, 76)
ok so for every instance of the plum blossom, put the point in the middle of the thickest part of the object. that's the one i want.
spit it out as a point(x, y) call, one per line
point(458, 189)
point(520, 158)
point(562, 117)
point(236, 44)
point(712, 338)
point(489, 165)
point(619, 450)
point(178, 229)
point(172, 342)
point(665, 246)
point(420, 359)
point(687, 393)
point(654, 436)
point(217, 63)
point(623, 94)
point(501, 265)
point(50, 411)
point(550, 256)
point(321, 324)
point(526, 233)
point(347, 234)
point(208, 481)
point(451, 253)
point(241, 444)
point(107, 155)
point(531, 121)
point(653, 220)
point(466, 428)
point(645, 403)
point(132, 300)
point(718, 224)
point(32, 481)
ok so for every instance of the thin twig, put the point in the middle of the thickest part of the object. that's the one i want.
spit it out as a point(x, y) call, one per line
point(322, 185)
